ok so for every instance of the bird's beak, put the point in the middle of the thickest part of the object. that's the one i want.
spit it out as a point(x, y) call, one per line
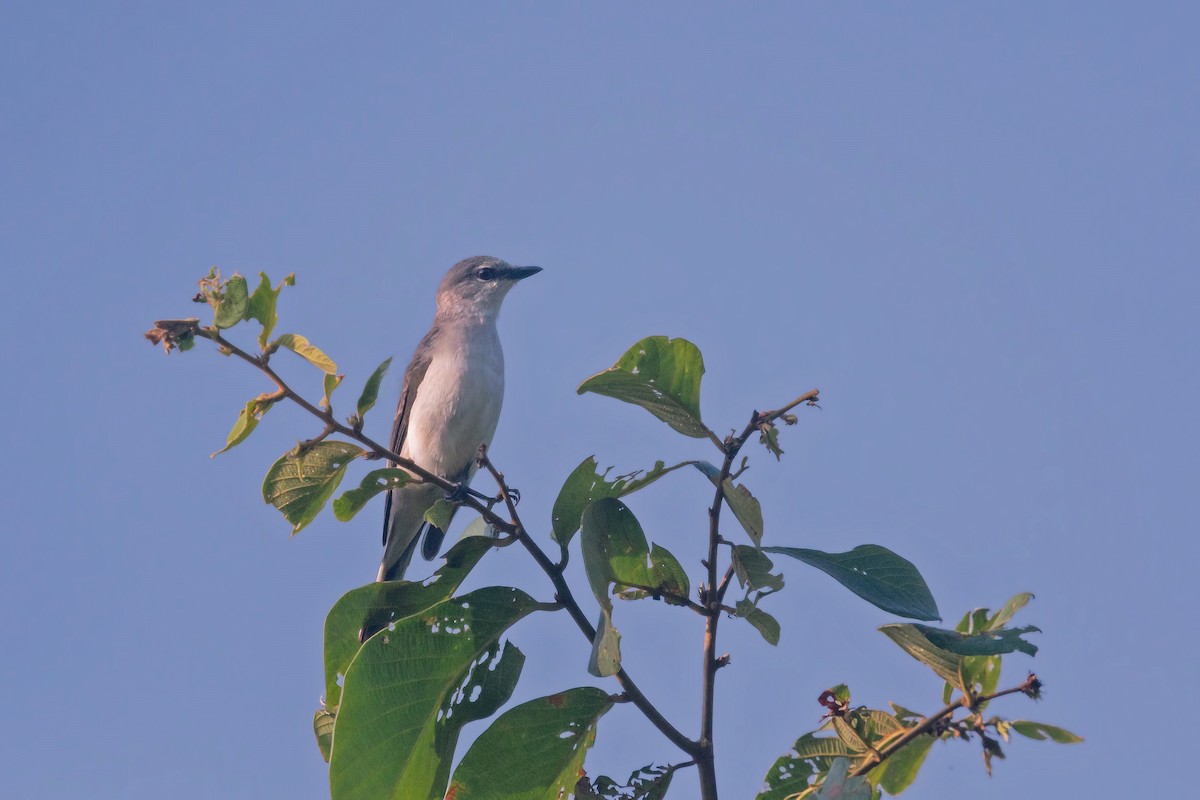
point(521, 273)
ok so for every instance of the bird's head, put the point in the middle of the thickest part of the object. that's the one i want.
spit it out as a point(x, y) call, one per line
point(477, 286)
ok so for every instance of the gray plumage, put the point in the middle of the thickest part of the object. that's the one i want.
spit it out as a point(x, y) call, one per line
point(450, 401)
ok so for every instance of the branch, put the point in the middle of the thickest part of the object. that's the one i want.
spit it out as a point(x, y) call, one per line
point(714, 593)
point(1030, 686)
point(564, 596)
point(171, 329)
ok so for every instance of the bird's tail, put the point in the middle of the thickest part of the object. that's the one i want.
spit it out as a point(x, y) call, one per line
point(405, 526)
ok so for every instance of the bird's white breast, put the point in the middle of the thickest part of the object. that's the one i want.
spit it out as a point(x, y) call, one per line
point(457, 404)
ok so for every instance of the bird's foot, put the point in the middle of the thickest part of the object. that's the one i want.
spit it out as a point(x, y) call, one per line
point(461, 492)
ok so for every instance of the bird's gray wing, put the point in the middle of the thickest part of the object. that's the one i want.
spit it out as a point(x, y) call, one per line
point(408, 393)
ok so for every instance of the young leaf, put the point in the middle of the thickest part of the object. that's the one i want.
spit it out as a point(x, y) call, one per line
point(913, 642)
point(440, 513)
point(875, 574)
point(246, 422)
point(413, 687)
point(767, 625)
point(1006, 612)
point(370, 392)
point(532, 751)
point(380, 605)
point(662, 376)
point(301, 347)
point(605, 659)
point(262, 305)
point(299, 486)
point(323, 722)
point(746, 509)
point(375, 482)
point(232, 303)
point(667, 574)
point(331, 382)
point(753, 569)
point(1040, 730)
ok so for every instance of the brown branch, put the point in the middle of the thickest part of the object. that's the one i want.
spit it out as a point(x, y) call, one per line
point(566, 598)
point(1029, 686)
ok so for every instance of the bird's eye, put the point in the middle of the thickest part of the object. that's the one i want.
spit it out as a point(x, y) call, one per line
point(486, 274)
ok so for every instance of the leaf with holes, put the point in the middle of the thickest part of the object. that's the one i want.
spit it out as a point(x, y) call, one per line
point(810, 757)
point(379, 605)
point(662, 376)
point(299, 486)
point(875, 574)
point(533, 751)
point(375, 482)
point(411, 688)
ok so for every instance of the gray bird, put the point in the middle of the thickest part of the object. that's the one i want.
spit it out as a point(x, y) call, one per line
point(450, 401)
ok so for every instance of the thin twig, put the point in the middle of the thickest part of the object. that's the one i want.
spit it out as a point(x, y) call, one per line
point(564, 596)
point(968, 701)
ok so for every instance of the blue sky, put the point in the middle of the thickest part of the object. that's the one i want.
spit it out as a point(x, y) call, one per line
point(973, 226)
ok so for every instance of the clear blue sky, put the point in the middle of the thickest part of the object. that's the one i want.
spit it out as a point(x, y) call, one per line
point(973, 226)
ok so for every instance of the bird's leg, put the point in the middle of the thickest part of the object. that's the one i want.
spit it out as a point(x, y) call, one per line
point(461, 492)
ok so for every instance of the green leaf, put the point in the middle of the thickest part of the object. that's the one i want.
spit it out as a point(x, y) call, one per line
point(299, 486)
point(838, 785)
point(370, 392)
point(614, 547)
point(662, 376)
point(586, 483)
point(262, 305)
point(875, 574)
point(768, 437)
point(605, 659)
point(667, 574)
point(900, 770)
point(232, 303)
point(323, 722)
point(810, 756)
point(745, 508)
point(763, 622)
point(1007, 611)
point(985, 643)
point(331, 382)
point(301, 347)
point(534, 751)
point(411, 688)
point(380, 605)
point(375, 482)
point(913, 642)
point(1040, 730)
point(753, 569)
point(440, 513)
point(246, 422)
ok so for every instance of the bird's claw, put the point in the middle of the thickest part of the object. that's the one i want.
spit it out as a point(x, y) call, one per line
point(461, 492)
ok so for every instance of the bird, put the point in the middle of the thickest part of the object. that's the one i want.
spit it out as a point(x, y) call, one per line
point(449, 402)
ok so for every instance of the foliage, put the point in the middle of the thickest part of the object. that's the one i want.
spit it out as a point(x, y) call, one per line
point(409, 663)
